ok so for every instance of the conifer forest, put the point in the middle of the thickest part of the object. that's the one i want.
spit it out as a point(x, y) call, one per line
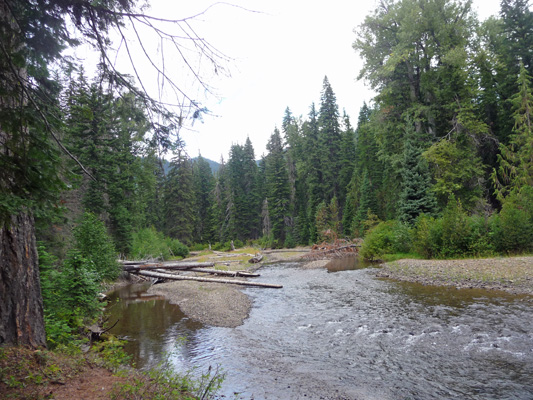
point(439, 163)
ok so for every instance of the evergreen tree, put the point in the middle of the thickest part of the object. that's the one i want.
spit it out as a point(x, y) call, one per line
point(277, 184)
point(512, 43)
point(252, 206)
point(516, 160)
point(242, 178)
point(313, 172)
point(329, 142)
point(179, 200)
point(347, 158)
point(367, 204)
point(204, 185)
point(416, 197)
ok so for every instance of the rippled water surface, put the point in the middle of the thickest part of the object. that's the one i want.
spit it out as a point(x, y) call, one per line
point(347, 335)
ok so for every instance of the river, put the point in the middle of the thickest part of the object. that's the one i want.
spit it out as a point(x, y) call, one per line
point(344, 334)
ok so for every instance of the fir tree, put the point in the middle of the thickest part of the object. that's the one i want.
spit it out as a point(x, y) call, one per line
point(516, 159)
point(416, 197)
point(277, 183)
point(204, 185)
point(179, 200)
point(347, 158)
point(367, 204)
point(329, 142)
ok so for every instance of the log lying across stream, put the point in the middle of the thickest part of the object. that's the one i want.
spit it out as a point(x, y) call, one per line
point(157, 270)
point(161, 275)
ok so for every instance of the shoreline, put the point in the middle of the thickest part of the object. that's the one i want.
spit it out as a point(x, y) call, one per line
point(509, 274)
point(224, 305)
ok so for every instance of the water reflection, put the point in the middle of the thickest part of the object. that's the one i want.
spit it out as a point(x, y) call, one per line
point(347, 263)
point(153, 327)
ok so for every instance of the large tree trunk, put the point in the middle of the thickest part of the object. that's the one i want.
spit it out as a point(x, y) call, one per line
point(21, 305)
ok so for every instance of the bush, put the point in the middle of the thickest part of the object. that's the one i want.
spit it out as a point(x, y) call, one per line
point(386, 238)
point(427, 236)
point(513, 229)
point(176, 248)
point(456, 231)
point(149, 243)
point(96, 245)
point(480, 242)
point(70, 295)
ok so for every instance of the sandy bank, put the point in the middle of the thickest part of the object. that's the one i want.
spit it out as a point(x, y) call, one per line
point(510, 274)
point(213, 304)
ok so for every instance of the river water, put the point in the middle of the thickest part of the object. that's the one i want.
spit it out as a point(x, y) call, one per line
point(344, 334)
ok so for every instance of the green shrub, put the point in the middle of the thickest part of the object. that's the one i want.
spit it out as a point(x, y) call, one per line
point(94, 244)
point(149, 243)
point(456, 231)
point(386, 238)
point(176, 248)
point(427, 236)
point(480, 242)
point(70, 296)
point(513, 229)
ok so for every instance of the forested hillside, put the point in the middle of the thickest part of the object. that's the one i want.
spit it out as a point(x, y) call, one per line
point(451, 121)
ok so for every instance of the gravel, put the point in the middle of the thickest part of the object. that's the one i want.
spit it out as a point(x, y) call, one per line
point(213, 304)
point(510, 274)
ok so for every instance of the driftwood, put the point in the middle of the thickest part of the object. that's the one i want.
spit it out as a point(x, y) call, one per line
point(213, 272)
point(161, 275)
point(339, 248)
point(171, 265)
point(255, 259)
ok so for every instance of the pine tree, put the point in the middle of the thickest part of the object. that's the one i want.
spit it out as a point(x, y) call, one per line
point(347, 158)
point(416, 197)
point(313, 173)
point(204, 185)
point(179, 200)
point(516, 159)
point(329, 141)
point(277, 184)
point(252, 206)
point(367, 203)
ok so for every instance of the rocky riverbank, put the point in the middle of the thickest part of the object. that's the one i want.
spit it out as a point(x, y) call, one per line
point(510, 274)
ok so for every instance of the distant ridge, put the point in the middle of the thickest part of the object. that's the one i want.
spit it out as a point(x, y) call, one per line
point(213, 164)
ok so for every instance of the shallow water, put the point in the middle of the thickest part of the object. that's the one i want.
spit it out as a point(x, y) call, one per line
point(348, 335)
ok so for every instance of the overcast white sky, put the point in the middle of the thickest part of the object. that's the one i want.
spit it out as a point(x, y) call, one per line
point(281, 56)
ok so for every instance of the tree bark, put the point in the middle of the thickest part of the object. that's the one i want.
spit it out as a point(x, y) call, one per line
point(21, 306)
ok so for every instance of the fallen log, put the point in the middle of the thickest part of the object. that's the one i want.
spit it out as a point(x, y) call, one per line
point(226, 273)
point(175, 265)
point(255, 259)
point(214, 272)
point(161, 275)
